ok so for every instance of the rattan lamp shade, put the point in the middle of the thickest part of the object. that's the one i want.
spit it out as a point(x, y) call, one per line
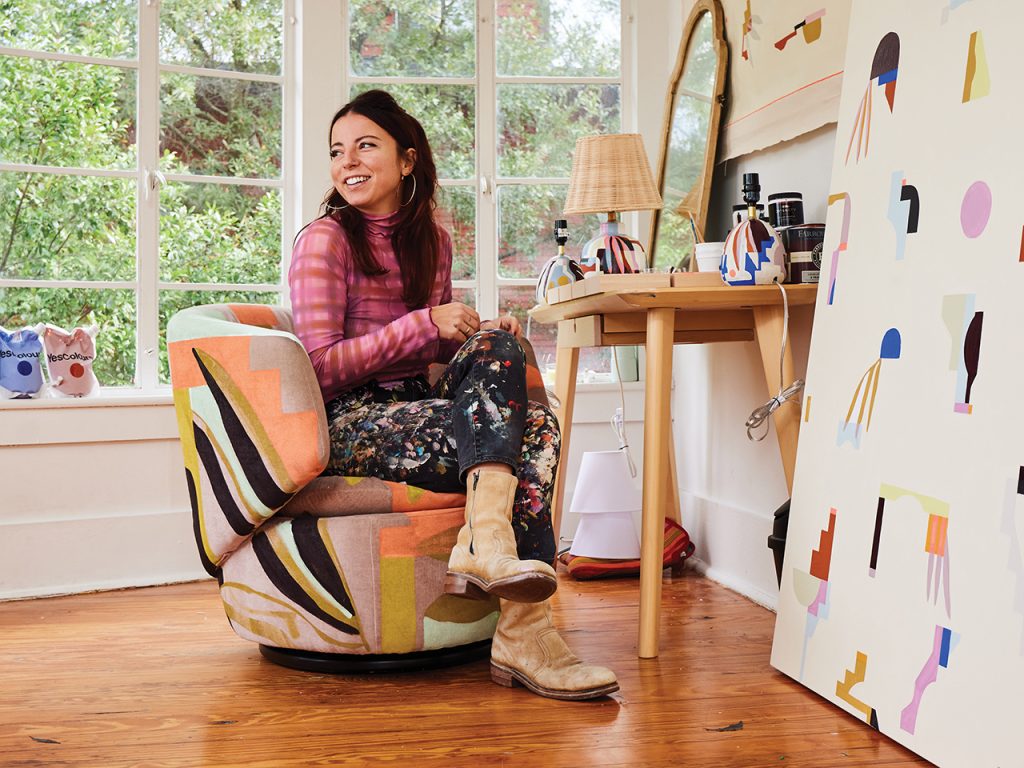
point(611, 173)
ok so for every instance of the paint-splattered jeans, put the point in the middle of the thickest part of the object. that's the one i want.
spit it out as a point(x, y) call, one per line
point(408, 431)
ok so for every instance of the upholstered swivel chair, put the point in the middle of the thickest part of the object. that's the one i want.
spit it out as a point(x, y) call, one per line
point(325, 573)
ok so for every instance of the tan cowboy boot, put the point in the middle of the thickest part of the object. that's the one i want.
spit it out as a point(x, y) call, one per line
point(484, 559)
point(528, 650)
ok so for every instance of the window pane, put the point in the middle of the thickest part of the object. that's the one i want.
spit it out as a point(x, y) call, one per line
point(456, 212)
point(220, 127)
point(538, 125)
point(526, 228)
point(465, 296)
point(560, 37)
point(104, 29)
point(220, 233)
point(448, 115)
point(239, 35)
point(595, 362)
point(173, 301)
point(66, 114)
point(413, 39)
point(66, 227)
point(112, 310)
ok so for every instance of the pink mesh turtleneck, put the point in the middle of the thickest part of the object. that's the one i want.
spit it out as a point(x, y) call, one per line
point(355, 327)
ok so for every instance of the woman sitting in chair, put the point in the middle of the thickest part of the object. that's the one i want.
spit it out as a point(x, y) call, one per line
point(371, 296)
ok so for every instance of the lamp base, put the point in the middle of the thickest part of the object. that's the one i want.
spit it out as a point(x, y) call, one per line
point(613, 252)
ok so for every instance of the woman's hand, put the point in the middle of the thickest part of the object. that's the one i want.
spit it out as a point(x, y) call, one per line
point(504, 323)
point(455, 321)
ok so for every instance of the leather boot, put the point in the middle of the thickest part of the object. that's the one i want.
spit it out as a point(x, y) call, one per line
point(484, 560)
point(528, 650)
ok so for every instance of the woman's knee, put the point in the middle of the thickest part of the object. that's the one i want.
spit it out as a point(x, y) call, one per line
point(500, 344)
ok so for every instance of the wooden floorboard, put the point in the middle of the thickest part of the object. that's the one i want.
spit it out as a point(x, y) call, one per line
point(155, 677)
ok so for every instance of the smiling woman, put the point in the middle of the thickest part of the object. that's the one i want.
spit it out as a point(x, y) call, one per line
point(371, 288)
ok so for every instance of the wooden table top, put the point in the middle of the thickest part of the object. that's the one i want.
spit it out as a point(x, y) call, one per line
point(694, 298)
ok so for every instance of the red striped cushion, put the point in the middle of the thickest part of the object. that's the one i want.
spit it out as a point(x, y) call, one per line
point(678, 547)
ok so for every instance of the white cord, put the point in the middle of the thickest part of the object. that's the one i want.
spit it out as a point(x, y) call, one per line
point(760, 415)
point(618, 420)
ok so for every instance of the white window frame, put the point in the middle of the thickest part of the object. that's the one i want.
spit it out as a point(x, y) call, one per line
point(148, 178)
point(488, 282)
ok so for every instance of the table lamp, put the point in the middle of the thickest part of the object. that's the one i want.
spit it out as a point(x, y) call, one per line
point(606, 500)
point(611, 174)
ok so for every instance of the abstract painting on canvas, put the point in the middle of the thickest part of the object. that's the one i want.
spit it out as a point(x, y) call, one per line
point(902, 598)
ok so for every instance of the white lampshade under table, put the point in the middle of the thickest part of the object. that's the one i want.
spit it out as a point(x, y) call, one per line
point(606, 499)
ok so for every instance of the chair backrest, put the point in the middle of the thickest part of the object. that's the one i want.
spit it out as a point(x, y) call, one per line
point(250, 415)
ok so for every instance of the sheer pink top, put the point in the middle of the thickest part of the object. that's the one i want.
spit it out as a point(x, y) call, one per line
point(356, 327)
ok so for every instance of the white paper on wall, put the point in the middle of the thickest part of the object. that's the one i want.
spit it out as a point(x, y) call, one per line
point(785, 70)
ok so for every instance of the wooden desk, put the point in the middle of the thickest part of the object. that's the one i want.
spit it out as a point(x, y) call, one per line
point(658, 319)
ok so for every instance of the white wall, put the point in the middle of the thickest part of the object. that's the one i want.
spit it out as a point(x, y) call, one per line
point(94, 493)
point(93, 497)
point(731, 486)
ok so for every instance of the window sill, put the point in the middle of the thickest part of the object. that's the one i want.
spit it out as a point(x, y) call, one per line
point(108, 397)
point(126, 415)
point(610, 386)
point(114, 415)
point(123, 396)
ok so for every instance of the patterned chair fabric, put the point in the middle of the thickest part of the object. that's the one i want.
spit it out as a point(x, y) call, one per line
point(328, 564)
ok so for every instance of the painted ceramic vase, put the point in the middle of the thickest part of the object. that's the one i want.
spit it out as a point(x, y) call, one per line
point(754, 255)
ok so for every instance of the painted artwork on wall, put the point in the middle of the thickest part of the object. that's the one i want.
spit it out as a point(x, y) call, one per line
point(785, 71)
point(902, 599)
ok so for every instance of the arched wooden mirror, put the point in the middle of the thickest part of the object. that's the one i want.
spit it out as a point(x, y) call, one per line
point(689, 136)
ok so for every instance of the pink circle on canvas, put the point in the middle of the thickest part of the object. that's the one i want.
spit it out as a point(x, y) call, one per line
point(975, 209)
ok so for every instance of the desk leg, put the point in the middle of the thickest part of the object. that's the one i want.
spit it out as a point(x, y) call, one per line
point(672, 493)
point(566, 362)
point(657, 428)
point(768, 328)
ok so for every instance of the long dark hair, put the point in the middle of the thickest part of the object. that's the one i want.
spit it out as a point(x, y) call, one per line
point(415, 237)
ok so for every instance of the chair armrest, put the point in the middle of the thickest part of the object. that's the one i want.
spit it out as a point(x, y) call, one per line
point(250, 417)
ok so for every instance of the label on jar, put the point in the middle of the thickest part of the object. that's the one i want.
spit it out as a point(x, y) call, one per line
point(804, 257)
point(810, 276)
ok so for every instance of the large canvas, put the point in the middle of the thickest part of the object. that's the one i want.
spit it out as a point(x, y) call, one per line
point(902, 599)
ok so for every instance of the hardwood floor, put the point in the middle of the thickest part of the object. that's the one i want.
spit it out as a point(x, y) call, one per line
point(155, 677)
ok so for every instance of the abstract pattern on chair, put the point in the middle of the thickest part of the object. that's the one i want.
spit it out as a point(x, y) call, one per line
point(337, 565)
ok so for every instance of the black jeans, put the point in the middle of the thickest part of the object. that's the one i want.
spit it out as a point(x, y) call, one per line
point(478, 411)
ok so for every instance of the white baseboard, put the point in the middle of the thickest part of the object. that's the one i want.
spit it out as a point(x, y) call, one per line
point(85, 587)
point(60, 557)
point(732, 546)
point(728, 579)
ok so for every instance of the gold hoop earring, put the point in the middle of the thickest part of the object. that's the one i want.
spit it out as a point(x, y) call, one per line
point(332, 208)
point(413, 190)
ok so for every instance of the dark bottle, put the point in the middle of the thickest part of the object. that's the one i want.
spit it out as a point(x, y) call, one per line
point(751, 193)
point(561, 235)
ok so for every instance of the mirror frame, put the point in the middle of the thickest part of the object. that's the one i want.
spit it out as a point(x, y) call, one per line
point(700, 7)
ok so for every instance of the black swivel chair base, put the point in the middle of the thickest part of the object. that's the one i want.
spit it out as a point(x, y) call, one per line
point(344, 663)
